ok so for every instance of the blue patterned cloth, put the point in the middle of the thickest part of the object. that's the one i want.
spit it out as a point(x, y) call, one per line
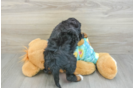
point(86, 53)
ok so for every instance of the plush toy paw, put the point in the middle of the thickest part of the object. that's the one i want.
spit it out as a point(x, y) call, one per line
point(81, 42)
point(29, 69)
point(84, 68)
point(106, 66)
point(85, 35)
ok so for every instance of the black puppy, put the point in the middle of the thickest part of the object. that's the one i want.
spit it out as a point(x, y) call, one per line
point(59, 52)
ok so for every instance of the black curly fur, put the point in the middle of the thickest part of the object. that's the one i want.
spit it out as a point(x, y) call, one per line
point(59, 52)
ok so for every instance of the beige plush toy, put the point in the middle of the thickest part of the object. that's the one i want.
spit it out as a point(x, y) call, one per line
point(34, 60)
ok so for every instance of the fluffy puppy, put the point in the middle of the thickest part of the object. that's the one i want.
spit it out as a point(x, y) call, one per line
point(59, 52)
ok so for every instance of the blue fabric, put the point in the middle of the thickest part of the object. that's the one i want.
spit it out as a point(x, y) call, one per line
point(86, 53)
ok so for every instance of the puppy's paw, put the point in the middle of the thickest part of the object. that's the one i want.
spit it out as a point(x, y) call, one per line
point(79, 77)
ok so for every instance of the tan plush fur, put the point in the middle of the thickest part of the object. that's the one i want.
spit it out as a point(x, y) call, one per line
point(34, 58)
point(29, 69)
point(106, 66)
point(84, 68)
point(34, 62)
point(80, 42)
point(35, 52)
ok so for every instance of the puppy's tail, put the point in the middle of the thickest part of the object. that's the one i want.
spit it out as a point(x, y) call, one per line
point(55, 72)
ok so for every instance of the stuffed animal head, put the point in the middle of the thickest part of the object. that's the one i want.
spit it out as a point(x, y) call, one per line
point(35, 52)
point(34, 57)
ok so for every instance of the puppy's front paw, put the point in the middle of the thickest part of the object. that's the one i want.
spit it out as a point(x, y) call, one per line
point(79, 77)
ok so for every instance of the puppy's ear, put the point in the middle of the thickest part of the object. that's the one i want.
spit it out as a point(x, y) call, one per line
point(55, 34)
point(55, 39)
